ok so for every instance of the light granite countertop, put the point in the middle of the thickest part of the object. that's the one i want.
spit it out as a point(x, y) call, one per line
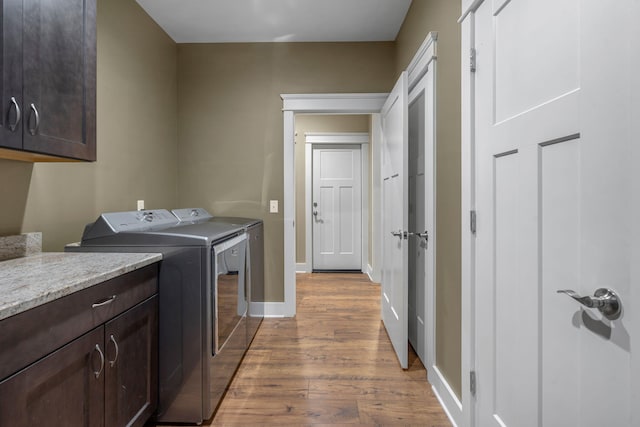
point(34, 280)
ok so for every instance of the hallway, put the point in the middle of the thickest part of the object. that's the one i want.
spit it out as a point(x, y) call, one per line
point(332, 364)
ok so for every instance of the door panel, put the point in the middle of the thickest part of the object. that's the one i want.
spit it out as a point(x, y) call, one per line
point(553, 185)
point(60, 77)
point(395, 200)
point(547, 64)
point(337, 199)
point(132, 362)
point(60, 389)
point(11, 66)
point(560, 231)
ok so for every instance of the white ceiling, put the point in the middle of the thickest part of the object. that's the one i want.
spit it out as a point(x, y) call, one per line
point(229, 21)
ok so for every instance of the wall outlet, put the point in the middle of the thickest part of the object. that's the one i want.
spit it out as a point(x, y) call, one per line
point(273, 206)
point(140, 205)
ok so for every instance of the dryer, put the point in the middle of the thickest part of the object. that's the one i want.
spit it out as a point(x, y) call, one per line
point(255, 258)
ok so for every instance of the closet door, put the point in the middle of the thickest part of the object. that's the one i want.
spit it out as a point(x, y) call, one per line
point(556, 184)
point(395, 218)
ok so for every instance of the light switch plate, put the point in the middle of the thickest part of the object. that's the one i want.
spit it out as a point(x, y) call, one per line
point(140, 205)
point(273, 206)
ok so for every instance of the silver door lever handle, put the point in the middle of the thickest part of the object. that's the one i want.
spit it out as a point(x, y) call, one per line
point(605, 300)
point(424, 235)
point(401, 234)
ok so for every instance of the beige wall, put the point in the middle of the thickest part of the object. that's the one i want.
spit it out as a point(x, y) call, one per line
point(441, 15)
point(136, 137)
point(231, 124)
point(316, 123)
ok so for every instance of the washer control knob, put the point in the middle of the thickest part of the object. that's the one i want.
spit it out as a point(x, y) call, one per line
point(147, 216)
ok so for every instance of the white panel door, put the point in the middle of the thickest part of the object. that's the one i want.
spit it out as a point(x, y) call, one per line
point(554, 179)
point(395, 218)
point(337, 208)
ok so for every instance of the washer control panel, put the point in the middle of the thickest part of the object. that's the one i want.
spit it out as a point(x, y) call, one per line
point(192, 214)
point(138, 220)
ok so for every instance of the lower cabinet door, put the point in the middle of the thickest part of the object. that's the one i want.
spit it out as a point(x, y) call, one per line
point(131, 390)
point(65, 388)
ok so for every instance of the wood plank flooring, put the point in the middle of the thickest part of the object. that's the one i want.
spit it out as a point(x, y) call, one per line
point(331, 365)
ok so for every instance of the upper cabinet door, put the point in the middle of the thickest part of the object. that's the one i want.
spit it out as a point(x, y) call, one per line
point(59, 60)
point(11, 81)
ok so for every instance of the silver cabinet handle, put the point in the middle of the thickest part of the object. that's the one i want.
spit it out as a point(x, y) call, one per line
point(98, 372)
point(424, 235)
point(37, 116)
point(105, 301)
point(605, 300)
point(115, 344)
point(14, 126)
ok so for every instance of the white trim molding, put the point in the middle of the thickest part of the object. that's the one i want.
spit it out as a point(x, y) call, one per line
point(425, 55)
point(336, 138)
point(336, 103)
point(475, 4)
point(303, 267)
point(467, 205)
point(292, 104)
point(445, 395)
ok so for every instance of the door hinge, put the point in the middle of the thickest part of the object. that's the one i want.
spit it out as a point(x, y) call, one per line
point(472, 221)
point(472, 60)
point(472, 383)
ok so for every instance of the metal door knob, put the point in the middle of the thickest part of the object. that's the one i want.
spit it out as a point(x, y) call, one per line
point(605, 300)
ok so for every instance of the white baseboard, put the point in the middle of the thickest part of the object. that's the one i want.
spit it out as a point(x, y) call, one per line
point(447, 398)
point(269, 309)
point(372, 274)
point(303, 267)
point(369, 272)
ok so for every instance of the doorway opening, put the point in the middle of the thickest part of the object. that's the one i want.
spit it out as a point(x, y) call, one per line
point(343, 104)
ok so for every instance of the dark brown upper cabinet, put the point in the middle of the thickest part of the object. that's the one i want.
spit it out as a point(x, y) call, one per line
point(48, 80)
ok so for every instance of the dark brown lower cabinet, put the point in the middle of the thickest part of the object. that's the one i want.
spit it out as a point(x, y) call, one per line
point(131, 343)
point(107, 377)
point(59, 390)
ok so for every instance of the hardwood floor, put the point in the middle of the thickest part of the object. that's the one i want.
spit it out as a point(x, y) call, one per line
point(332, 364)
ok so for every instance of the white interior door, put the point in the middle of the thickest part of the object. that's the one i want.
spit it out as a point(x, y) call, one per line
point(395, 202)
point(554, 179)
point(337, 208)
